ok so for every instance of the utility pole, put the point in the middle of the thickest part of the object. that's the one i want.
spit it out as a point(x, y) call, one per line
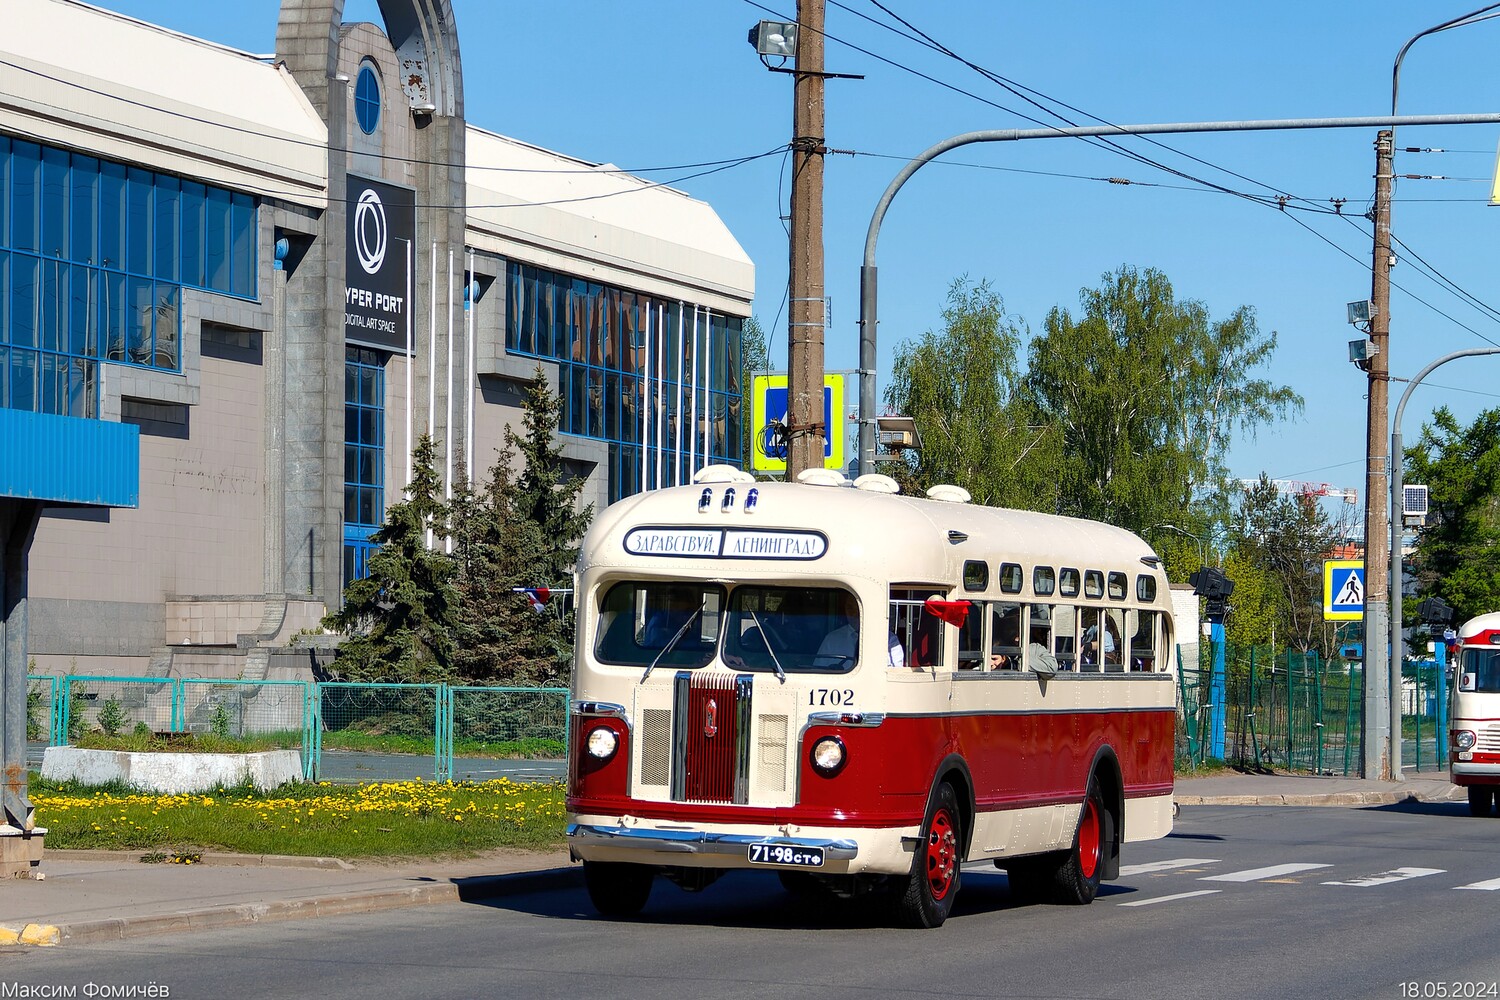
point(1382, 666)
point(805, 425)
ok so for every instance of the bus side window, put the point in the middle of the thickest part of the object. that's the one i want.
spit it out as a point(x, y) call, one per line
point(913, 629)
point(1064, 637)
point(1113, 621)
point(1143, 642)
point(1005, 636)
point(971, 639)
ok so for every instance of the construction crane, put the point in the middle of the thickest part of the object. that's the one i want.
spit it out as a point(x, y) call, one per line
point(1306, 489)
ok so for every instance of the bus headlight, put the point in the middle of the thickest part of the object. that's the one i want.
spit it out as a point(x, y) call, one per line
point(1463, 739)
point(828, 756)
point(602, 742)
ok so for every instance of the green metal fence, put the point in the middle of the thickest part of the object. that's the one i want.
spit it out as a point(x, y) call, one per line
point(1296, 711)
point(346, 732)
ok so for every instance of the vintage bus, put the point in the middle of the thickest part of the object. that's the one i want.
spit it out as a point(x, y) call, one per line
point(861, 691)
point(1474, 713)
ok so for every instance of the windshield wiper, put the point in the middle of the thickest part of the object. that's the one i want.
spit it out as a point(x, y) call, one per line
point(673, 641)
point(765, 638)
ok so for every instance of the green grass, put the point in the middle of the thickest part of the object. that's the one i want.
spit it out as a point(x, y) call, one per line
point(190, 742)
point(529, 748)
point(387, 819)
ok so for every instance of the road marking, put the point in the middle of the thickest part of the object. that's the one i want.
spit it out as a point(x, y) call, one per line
point(1160, 866)
point(1488, 884)
point(1169, 899)
point(1386, 878)
point(1255, 874)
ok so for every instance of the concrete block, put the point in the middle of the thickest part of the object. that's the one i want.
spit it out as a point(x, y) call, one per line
point(172, 773)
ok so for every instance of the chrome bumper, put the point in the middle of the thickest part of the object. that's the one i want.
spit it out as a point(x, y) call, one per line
point(701, 841)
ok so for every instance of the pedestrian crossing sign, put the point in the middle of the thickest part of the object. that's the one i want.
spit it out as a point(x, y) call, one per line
point(1343, 590)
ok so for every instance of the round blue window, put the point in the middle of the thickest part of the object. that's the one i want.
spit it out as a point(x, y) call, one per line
point(367, 100)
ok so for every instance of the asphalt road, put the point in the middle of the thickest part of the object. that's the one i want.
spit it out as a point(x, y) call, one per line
point(1238, 902)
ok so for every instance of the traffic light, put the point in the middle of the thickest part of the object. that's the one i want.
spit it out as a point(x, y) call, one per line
point(1435, 611)
point(1214, 587)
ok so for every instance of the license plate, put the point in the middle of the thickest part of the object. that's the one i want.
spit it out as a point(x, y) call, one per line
point(786, 854)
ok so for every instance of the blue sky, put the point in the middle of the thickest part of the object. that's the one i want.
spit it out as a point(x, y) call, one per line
point(665, 83)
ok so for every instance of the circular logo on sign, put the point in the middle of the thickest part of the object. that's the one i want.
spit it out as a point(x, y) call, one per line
point(369, 231)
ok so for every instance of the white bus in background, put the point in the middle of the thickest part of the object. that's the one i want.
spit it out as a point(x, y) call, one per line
point(1474, 713)
point(860, 691)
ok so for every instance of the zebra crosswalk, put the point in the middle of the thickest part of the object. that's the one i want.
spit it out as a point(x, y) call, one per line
point(1293, 872)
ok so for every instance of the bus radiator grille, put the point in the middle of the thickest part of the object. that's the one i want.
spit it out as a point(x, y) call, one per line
point(1489, 739)
point(710, 726)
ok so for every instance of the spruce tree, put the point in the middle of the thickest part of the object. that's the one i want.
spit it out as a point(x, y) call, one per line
point(546, 495)
point(521, 530)
point(399, 619)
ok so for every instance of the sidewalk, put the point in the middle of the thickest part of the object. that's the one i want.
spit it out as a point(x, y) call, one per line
point(106, 896)
point(86, 896)
point(1232, 788)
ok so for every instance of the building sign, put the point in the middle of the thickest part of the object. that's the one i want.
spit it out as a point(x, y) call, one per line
point(768, 409)
point(381, 223)
point(725, 543)
point(1343, 590)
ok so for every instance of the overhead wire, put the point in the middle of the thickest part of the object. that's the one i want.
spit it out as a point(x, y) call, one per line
point(1282, 200)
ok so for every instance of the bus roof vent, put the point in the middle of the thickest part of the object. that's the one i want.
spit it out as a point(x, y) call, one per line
point(948, 493)
point(876, 483)
point(822, 477)
point(722, 474)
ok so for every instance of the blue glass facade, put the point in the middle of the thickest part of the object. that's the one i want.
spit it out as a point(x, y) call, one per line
point(597, 336)
point(93, 259)
point(364, 456)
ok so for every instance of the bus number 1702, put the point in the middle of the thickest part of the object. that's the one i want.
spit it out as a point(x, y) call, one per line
point(836, 697)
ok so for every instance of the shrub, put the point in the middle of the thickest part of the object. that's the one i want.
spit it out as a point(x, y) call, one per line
point(111, 717)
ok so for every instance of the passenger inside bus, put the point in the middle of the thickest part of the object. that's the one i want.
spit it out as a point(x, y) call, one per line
point(1005, 647)
point(678, 605)
point(841, 645)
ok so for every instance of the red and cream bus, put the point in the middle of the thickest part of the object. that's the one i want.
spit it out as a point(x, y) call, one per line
point(1474, 713)
point(862, 691)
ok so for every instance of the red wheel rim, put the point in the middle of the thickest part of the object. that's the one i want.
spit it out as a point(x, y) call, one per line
point(942, 854)
point(1088, 839)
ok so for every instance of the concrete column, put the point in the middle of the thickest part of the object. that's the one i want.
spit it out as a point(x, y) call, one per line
point(20, 841)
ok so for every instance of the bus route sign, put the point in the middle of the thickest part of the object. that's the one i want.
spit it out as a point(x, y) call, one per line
point(1343, 590)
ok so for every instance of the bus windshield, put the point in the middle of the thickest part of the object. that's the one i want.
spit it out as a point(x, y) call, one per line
point(1484, 666)
point(780, 630)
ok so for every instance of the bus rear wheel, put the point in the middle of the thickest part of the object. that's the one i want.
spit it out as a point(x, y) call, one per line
point(926, 897)
point(1481, 800)
point(617, 890)
point(1076, 881)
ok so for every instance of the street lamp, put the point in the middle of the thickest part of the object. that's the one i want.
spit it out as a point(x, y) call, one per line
point(1202, 549)
point(1396, 526)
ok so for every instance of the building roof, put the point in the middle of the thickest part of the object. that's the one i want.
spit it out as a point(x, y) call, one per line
point(595, 221)
point(78, 76)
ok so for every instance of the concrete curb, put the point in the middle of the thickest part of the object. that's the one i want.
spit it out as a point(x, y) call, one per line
point(466, 890)
point(207, 858)
point(1345, 799)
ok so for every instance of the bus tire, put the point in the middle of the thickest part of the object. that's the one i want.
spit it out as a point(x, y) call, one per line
point(617, 890)
point(1076, 881)
point(1481, 800)
point(925, 898)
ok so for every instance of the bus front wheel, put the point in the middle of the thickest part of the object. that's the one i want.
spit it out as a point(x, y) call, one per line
point(617, 890)
point(1481, 799)
point(926, 897)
